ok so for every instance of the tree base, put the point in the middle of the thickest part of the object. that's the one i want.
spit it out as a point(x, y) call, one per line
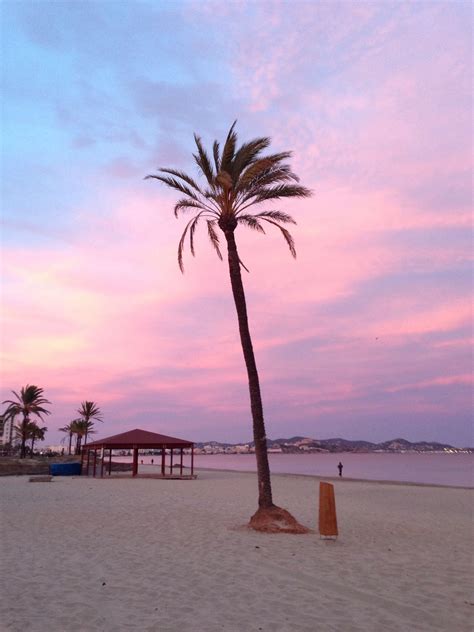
point(275, 520)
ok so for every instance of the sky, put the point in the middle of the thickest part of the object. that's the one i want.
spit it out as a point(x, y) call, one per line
point(366, 335)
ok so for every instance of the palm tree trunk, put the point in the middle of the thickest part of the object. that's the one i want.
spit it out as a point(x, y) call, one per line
point(24, 427)
point(32, 446)
point(70, 442)
point(260, 439)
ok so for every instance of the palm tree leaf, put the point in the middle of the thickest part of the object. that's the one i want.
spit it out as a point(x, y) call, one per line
point(281, 191)
point(183, 237)
point(217, 159)
point(213, 237)
point(247, 154)
point(251, 222)
point(229, 150)
point(278, 216)
point(184, 176)
point(186, 204)
point(203, 161)
point(192, 230)
point(174, 184)
point(224, 180)
point(286, 234)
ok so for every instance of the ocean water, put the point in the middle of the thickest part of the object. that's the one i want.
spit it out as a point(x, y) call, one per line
point(441, 469)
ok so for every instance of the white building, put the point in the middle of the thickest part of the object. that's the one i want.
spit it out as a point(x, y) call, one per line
point(8, 435)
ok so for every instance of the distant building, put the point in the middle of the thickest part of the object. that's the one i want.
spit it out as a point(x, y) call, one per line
point(7, 429)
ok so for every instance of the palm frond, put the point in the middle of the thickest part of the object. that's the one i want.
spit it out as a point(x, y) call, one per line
point(278, 216)
point(286, 234)
point(247, 154)
point(192, 230)
point(253, 171)
point(282, 191)
point(224, 180)
point(174, 184)
point(184, 176)
point(213, 237)
point(183, 237)
point(251, 222)
point(203, 161)
point(186, 204)
point(229, 150)
point(217, 158)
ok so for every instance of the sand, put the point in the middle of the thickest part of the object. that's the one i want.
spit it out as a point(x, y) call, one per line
point(172, 556)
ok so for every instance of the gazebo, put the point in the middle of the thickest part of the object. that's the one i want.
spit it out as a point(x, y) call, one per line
point(136, 440)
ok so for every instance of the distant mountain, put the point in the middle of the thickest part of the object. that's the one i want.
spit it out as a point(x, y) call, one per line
point(296, 445)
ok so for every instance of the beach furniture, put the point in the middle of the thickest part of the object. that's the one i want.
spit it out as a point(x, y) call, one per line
point(327, 511)
point(65, 469)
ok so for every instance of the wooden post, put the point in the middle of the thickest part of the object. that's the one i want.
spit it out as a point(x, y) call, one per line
point(181, 463)
point(88, 455)
point(95, 462)
point(135, 461)
point(82, 461)
point(163, 461)
point(102, 457)
point(192, 460)
point(171, 462)
point(110, 461)
point(327, 511)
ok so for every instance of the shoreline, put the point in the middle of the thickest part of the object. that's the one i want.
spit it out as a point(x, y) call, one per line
point(339, 479)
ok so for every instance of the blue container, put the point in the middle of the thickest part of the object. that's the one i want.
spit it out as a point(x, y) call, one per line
point(65, 469)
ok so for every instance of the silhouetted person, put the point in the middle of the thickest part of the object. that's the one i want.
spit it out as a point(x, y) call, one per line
point(152, 461)
point(339, 467)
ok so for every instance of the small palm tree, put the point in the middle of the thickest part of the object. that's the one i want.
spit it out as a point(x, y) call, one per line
point(237, 180)
point(68, 429)
point(89, 411)
point(35, 433)
point(30, 401)
point(81, 428)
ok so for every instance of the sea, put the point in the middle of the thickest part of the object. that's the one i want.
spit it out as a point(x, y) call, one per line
point(454, 470)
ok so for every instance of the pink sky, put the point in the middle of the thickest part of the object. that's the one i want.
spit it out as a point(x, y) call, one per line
point(366, 335)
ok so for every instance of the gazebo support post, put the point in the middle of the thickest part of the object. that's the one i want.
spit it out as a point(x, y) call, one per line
point(181, 462)
point(135, 461)
point(192, 460)
point(88, 455)
point(171, 462)
point(82, 462)
point(110, 461)
point(102, 456)
point(95, 463)
point(163, 457)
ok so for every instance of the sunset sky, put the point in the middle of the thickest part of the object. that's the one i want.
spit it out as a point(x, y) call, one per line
point(366, 335)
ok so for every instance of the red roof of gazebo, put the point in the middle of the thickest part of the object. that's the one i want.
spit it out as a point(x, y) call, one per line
point(140, 439)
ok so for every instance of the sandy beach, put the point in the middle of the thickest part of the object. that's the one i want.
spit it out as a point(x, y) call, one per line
point(166, 556)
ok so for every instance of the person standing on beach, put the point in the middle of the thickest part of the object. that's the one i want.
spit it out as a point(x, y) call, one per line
point(339, 467)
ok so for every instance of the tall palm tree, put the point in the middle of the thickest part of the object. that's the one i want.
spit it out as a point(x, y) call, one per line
point(30, 401)
point(89, 411)
point(238, 179)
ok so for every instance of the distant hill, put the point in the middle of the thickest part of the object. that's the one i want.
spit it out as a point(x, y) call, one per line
point(295, 445)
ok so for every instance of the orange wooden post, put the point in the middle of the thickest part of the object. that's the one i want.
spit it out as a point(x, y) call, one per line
point(327, 510)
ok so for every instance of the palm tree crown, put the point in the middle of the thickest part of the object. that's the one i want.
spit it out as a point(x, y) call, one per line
point(236, 180)
point(89, 411)
point(29, 401)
